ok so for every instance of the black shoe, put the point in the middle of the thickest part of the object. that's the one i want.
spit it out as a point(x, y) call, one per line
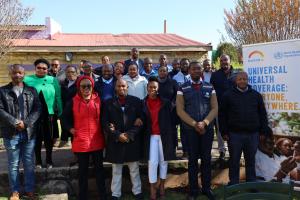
point(115, 198)
point(139, 196)
point(222, 155)
point(209, 194)
point(191, 197)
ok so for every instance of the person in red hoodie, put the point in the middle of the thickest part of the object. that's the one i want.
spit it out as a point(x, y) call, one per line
point(82, 118)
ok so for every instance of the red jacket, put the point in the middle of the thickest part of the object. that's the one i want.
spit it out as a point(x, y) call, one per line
point(86, 118)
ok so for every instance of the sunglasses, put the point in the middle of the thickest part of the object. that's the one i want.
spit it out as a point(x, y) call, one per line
point(42, 68)
point(87, 86)
point(54, 64)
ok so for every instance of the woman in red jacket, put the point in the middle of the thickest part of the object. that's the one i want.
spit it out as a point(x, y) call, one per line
point(82, 118)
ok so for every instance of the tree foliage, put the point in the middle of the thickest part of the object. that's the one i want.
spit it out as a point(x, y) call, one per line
point(255, 21)
point(13, 17)
point(226, 48)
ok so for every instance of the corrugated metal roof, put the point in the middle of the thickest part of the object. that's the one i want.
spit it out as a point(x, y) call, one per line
point(97, 40)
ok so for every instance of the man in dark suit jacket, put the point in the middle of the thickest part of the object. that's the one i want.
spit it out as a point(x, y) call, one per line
point(123, 138)
point(134, 58)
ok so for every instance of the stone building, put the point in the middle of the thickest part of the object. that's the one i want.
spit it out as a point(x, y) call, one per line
point(48, 41)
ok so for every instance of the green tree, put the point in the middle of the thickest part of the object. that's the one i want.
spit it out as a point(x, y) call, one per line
point(229, 49)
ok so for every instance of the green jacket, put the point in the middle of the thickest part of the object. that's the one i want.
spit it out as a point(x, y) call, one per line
point(50, 88)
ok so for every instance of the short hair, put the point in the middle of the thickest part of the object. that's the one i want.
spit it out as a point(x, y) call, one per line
point(176, 60)
point(147, 58)
point(206, 60)
point(183, 59)
point(133, 63)
point(87, 63)
point(225, 55)
point(117, 62)
point(107, 65)
point(195, 63)
point(69, 66)
point(153, 79)
point(54, 59)
point(11, 67)
point(42, 60)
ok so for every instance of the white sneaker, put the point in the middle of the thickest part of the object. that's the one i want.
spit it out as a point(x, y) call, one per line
point(38, 167)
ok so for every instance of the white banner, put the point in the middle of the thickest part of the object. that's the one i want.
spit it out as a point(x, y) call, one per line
point(274, 71)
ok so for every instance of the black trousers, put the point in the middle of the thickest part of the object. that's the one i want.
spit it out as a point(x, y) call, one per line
point(83, 166)
point(46, 133)
point(65, 134)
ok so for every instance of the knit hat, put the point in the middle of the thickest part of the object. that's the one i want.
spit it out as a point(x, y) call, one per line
point(82, 78)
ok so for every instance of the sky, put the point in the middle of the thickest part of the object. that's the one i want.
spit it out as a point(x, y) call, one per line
point(198, 20)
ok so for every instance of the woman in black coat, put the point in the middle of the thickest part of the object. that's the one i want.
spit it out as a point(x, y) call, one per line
point(158, 136)
point(168, 90)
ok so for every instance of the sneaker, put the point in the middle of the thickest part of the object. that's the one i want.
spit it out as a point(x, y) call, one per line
point(49, 166)
point(56, 143)
point(139, 196)
point(14, 196)
point(38, 166)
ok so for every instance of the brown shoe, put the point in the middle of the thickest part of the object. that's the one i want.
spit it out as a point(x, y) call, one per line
point(14, 196)
point(30, 195)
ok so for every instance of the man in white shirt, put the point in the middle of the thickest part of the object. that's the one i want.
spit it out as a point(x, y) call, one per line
point(137, 85)
point(269, 166)
point(207, 70)
point(183, 76)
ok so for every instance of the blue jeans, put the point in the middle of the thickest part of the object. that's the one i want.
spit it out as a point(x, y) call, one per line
point(20, 148)
point(246, 143)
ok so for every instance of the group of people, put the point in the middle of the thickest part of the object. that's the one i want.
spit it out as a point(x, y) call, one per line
point(130, 111)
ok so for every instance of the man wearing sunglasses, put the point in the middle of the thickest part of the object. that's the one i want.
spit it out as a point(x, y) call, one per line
point(56, 70)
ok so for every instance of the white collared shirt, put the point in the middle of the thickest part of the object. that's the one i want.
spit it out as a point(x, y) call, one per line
point(180, 78)
point(137, 86)
point(266, 166)
point(107, 81)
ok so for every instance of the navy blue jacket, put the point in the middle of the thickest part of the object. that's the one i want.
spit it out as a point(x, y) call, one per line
point(242, 112)
point(222, 82)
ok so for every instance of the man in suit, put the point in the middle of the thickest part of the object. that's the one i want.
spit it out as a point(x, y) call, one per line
point(123, 138)
point(134, 58)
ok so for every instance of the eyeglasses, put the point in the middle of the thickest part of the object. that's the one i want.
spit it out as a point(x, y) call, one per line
point(42, 68)
point(87, 86)
point(54, 64)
